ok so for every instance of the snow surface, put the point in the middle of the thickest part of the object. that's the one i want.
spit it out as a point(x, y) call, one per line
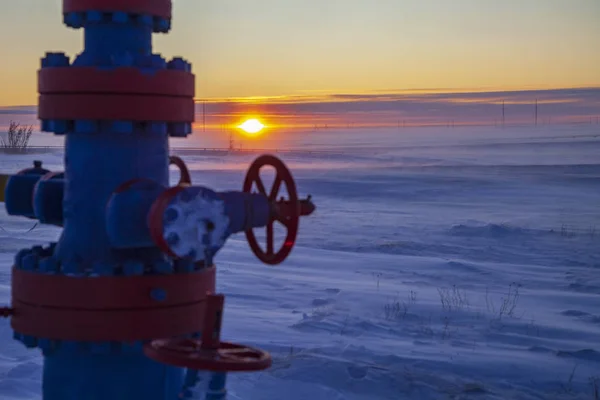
point(446, 263)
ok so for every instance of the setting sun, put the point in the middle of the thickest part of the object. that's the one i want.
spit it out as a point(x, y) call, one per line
point(252, 126)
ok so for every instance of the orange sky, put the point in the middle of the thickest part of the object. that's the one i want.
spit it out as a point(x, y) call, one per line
point(310, 47)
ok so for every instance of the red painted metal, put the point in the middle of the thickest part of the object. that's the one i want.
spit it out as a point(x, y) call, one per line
point(158, 8)
point(188, 353)
point(124, 80)
point(211, 332)
point(115, 107)
point(209, 354)
point(107, 325)
point(185, 178)
point(111, 292)
point(125, 186)
point(290, 220)
point(51, 175)
point(155, 219)
point(109, 308)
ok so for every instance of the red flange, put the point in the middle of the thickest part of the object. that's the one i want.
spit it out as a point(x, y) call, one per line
point(116, 107)
point(155, 219)
point(290, 220)
point(107, 325)
point(111, 292)
point(123, 80)
point(125, 186)
point(158, 8)
point(120, 308)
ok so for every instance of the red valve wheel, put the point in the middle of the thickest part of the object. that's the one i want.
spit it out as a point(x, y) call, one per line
point(185, 178)
point(188, 353)
point(290, 220)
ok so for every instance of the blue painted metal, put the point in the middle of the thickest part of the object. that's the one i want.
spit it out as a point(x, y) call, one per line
point(204, 386)
point(18, 192)
point(127, 212)
point(48, 200)
point(78, 20)
point(99, 156)
point(106, 233)
point(245, 210)
point(116, 373)
point(95, 165)
point(216, 387)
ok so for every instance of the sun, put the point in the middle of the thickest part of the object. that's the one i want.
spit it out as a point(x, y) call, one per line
point(252, 126)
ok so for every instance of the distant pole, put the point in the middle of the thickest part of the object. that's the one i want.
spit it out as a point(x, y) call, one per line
point(231, 142)
point(503, 113)
point(536, 111)
point(204, 116)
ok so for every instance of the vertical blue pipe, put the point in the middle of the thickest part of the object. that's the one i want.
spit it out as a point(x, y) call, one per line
point(94, 166)
point(99, 156)
point(204, 386)
point(216, 387)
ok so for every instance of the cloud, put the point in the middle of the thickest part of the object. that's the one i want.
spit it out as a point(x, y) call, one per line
point(415, 106)
point(390, 108)
point(18, 110)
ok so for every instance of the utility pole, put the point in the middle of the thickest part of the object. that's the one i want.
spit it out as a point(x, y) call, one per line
point(503, 113)
point(536, 111)
point(203, 115)
point(231, 142)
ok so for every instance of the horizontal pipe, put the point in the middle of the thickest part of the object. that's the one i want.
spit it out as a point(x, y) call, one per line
point(128, 209)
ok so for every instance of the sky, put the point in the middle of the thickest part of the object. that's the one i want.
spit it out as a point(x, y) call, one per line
point(271, 50)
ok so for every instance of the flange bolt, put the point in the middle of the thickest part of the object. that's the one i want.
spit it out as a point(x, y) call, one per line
point(6, 312)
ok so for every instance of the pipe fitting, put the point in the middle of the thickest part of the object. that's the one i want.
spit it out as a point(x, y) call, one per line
point(127, 211)
point(48, 194)
point(19, 190)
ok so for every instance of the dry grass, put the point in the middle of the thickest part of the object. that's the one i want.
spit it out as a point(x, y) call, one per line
point(17, 137)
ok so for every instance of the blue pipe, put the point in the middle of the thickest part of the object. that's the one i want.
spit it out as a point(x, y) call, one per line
point(127, 211)
point(106, 233)
point(96, 165)
point(204, 385)
point(48, 197)
point(18, 193)
point(99, 156)
point(216, 387)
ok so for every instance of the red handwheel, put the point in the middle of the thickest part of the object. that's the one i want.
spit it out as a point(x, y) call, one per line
point(184, 178)
point(188, 353)
point(208, 353)
point(290, 220)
